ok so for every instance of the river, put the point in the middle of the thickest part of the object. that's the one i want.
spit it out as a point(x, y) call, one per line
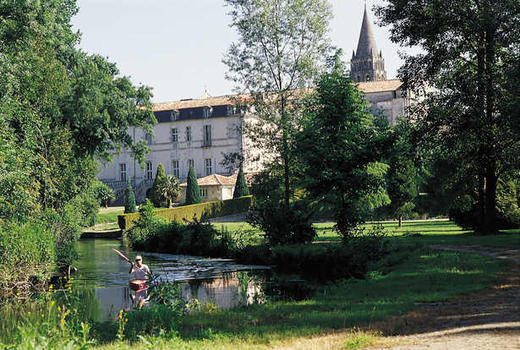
point(218, 281)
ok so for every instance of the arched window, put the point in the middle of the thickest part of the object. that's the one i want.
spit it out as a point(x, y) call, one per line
point(367, 78)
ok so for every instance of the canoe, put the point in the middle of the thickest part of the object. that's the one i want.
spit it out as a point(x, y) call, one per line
point(136, 285)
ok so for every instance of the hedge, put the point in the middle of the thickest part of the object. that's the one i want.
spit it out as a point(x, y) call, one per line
point(188, 212)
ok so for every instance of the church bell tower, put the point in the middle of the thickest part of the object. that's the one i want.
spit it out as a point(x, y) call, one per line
point(367, 62)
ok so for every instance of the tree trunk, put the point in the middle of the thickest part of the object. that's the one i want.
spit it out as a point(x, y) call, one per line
point(490, 220)
point(400, 221)
point(285, 155)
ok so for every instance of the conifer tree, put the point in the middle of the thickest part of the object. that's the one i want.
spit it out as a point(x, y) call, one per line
point(240, 186)
point(130, 206)
point(192, 190)
point(156, 194)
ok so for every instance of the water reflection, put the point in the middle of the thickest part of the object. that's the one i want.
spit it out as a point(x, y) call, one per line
point(218, 281)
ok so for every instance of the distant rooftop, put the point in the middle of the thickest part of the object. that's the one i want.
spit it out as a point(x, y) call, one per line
point(379, 86)
point(208, 101)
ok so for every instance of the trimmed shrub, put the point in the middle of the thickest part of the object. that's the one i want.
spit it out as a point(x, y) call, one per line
point(281, 225)
point(241, 186)
point(130, 206)
point(194, 211)
point(156, 193)
point(192, 189)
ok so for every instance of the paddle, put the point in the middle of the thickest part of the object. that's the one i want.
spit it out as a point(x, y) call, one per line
point(122, 255)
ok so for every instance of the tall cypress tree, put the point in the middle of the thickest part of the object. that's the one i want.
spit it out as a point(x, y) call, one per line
point(129, 200)
point(192, 190)
point(241, 186)
point(156, 194)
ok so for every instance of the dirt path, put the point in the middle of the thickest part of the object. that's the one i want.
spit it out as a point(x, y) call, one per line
point(484, 320)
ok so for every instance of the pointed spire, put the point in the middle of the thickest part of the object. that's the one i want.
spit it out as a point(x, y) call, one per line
point(367, 42)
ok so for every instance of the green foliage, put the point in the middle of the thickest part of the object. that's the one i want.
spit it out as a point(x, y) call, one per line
point(402, 175)
point(146, 225)
point(508, 202)
point(273, 76)
point(240, 186)
point(103, 193)
point(170, 189)
point(130, 206)
point(192, 189)
point(195, 238)
point(28, 255)
point(157, 195)
point(282, 225)
point(87, 206)
point(340, 149)
point(468, 117)
point(194, 212)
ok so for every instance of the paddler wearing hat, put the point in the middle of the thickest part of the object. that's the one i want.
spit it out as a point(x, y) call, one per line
point(140, 273)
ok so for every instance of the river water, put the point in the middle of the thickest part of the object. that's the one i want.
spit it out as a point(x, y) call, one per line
point(218, 281)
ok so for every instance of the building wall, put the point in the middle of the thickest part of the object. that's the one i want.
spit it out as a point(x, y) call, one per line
point(214, 193)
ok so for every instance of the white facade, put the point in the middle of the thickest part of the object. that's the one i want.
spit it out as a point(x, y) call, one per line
point(201, 131)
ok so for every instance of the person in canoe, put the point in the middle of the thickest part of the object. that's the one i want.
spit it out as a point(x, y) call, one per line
point(140, 273)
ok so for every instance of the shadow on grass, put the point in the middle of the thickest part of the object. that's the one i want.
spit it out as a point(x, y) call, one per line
point(425, 277)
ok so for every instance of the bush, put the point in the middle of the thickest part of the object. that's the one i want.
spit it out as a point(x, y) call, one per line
point(27, 254)
point(147, 225)
point(67, 230)
point(130, 206)
point(281, 225)
point(194, 211)
point(86, 208)
point(195, 238)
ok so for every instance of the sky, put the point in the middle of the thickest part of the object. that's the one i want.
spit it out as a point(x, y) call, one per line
point(176, 46)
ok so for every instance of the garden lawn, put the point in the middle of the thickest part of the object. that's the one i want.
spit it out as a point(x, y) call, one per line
point(427, 276)
point(109, 215)
point(412, 232)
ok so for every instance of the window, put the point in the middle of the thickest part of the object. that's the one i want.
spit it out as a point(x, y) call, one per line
point(122, 172)
point(174, 115)
point(368, 77)
point(207, 112)
point(188, 134)
point(175, 136)
point(208, 166)
point(206, 142)
point(148, 138)
point(175, 168)
point(204, 192)
point(149, 170)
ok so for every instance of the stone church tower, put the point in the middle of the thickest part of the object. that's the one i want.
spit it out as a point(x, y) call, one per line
point(367, 63)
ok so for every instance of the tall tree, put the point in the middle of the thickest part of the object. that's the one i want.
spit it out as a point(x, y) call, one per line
point(192, 188)
point(241, 185)
point(469, 66)
point(280, 49)
point(156, 192)
point(130, 206)
point(341, 149)
point(402, 174)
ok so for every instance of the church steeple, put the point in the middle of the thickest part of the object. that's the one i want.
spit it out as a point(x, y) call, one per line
point(367, 62)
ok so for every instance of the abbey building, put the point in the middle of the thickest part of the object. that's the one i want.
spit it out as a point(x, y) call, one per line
point(200, 132)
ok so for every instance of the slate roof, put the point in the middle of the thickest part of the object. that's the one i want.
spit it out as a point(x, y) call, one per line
point(367, 43)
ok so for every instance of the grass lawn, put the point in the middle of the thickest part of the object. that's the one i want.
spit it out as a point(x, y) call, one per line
point(415, 231)
point(108, 215)
point(427, 276)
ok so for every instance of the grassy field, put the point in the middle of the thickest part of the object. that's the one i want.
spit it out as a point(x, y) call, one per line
point(109, 215)
point(418, 231)
point(426, 276)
